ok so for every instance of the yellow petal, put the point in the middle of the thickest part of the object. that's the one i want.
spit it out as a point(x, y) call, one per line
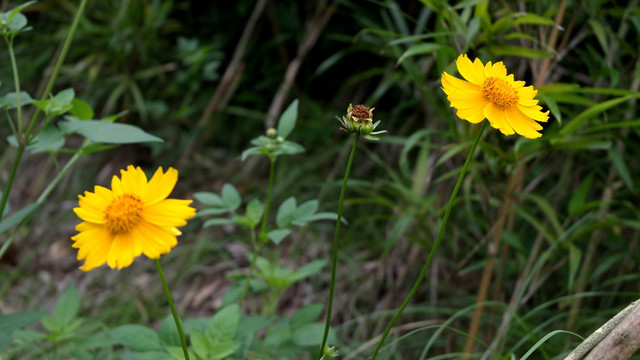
point(534, 112)
point(121, 253)
point(156, 241)
point(497, 119)
point(469, 70)
point(133, 180)
point(160, 186)
point(522, 124)
point(169, 213)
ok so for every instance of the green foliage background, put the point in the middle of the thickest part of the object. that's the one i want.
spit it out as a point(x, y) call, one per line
point(566, 205)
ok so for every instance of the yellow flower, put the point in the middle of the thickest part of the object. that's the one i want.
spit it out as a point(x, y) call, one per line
point(133, 218)
point(490, 93)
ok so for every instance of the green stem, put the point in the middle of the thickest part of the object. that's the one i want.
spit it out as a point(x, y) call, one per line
point(16, 84)
point(434, 248)
point(176, 318)
point(334, 253)
point(263, 226)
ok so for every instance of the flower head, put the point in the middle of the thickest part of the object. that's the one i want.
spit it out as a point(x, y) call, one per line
point(133, 218)
point(490, 93)
point(359, 120)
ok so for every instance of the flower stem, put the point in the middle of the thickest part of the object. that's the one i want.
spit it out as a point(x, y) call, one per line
point(263, 226)
point(434, 248)
point(334, 254)
point(176, 318)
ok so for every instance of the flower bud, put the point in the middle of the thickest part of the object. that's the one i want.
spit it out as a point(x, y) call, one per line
point(271, 132)
point(359, 119)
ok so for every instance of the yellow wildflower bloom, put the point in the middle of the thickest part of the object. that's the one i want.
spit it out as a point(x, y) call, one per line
point(490, 93)
point(133, 218)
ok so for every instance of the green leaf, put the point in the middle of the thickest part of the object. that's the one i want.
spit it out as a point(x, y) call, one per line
point(230, 197)
point(287, 120)
point(136, 337)
point(307, 270)
point(10, 221)
point(156, 355)
point(106, 132)
point(218, 222)
point(306, 315)
point(222, 349)
point(529, 18)
point(255, 209)
point(200, 343)
point(579, 196)
point(286, 212)
point(50, 139)
point(12, 322)
point(278, 235)
point(575, 255)
point(81, 109)
point(249, 324)
point(52, 324)
point(10, 101)
point(224, 324)
point(209, 198)
point(287, 148)
point(306, 209)
point(169, 335)
point(621, 166)
point(68, 305)
point(325, 216)
point(584, 116)
point(419, 49)
point(519, 51)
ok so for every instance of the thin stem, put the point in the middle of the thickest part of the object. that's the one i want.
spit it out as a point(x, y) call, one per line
point(263, 226)
point(334, 253)
point(176, 318)
point(434, 248)
point(16, 84)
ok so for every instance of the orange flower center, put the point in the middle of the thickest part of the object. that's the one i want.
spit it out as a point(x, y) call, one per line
point(361, 112)
point(123, 213)
point(500, 92)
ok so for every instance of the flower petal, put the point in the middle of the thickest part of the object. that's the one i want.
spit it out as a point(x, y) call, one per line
point(160, 186)
point(496, 117)
point(470, 71)
point(169, 213)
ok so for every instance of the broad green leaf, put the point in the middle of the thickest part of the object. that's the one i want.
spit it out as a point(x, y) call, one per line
point(106, 132)
point(278, 235)
point(230, 197)
point(309, 269)
point(286, 212)
point(255, 209)
point(169, 335)
point(209, 198)
point(155, 355)
point(50, 139)
point(222, 349)
point(81, 109)
point(288, 148)
point(68, 305)
point(12, 220)
point(306, 315)
point(12, 322)
point(52, 324)
point(200, 343)
point(287, 120)
point(136, 337)
point(577, 122)
point(306, 209)
point(224, 324)
point(177, 353)
point(10, 101)
point(249, 324)
point(420, 49)
point(621, 166)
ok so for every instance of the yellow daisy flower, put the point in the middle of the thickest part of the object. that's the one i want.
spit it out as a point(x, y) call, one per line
point(490, 93)
point(133, 218)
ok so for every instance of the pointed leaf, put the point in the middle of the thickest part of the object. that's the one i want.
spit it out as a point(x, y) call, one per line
point(106, 132)
point(278, 235)
point(288, 120)
point(230, 197)
point(68, 305)
point(224, 324)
